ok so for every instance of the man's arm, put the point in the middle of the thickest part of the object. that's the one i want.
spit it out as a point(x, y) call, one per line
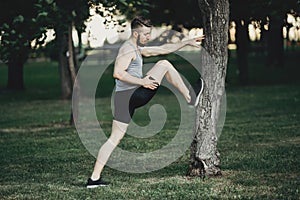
point(122, 62)
point(170, 47)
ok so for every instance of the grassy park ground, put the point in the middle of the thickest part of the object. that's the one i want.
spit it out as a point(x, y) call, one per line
point(42, 156)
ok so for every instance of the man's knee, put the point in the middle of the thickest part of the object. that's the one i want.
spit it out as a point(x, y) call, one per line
point(118, 132)
point(164, 63)
point(115, 139)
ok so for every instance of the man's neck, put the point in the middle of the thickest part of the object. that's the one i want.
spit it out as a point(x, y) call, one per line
point(133, 41)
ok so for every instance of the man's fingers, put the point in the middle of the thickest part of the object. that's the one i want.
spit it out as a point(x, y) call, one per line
point(156, 83)
point(200, 38)
point(152, 86)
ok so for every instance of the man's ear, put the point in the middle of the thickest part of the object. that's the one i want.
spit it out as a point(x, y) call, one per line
point(135, 34)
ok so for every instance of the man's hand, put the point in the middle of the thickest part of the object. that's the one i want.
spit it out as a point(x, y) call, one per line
point(195, 42)
point(149, 82)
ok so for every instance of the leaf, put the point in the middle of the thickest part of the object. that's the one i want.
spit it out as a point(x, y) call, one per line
point(5, 26)
point(138, 3)
point(37, 5)
point(18, 18)
point(145, 11)
point(4, 34)
point(124, 2)
point(74, 13)
point(42, 14)
point(49, 1)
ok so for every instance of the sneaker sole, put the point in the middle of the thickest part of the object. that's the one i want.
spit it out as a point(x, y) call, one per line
point(95, 186)
point(198, 96)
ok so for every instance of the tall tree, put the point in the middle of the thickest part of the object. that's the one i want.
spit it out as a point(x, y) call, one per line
point(19, 26)
point(62, 16)
point(240, 12)
point(276, 11)
point(272, 12)
point(205, 158)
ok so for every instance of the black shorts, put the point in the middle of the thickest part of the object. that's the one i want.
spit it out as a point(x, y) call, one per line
point(127, 101)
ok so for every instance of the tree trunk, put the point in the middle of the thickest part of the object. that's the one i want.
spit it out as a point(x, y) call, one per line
point(275, 43)
point(65, 76)
point(72, 69)
point(205, 158)
point(242, 41)
point(71, 57)
point(80, 48)
point(15, 70)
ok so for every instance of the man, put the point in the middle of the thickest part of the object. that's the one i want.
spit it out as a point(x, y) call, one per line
point(133, 90)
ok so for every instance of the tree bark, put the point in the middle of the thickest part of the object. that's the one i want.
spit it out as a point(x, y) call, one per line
point(205, 158)
point(71, 57)
point(65, 76)
point(72, 69)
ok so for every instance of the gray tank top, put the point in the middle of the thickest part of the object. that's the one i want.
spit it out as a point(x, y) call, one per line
point(134, 69)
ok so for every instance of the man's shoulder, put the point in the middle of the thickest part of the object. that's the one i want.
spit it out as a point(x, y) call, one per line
point(126, 48)
point(127, 51)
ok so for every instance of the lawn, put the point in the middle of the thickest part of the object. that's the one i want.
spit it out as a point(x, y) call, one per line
point(42, 156)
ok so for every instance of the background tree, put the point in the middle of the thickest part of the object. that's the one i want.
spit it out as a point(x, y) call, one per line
point(240, 13)
point(276, 12)
point(271, 12)
point(19, 26)
point(27, 21)
point(63, 16)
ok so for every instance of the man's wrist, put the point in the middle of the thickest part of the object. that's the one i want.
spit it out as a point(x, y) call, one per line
point(141, 81)
point(185, 43)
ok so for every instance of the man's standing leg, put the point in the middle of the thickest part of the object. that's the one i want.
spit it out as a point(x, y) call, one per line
point(118, 132)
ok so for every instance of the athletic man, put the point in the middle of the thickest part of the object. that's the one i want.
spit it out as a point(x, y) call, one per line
point(134, 90)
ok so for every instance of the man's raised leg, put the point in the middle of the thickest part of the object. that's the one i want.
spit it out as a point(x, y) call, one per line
point(164, 68)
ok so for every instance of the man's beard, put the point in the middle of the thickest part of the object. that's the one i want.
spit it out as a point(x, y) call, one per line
point(139, 43)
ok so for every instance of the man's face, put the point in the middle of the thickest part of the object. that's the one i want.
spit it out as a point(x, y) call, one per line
point(143, 35)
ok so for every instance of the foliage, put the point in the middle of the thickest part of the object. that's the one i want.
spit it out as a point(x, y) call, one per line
point(258, 9)
point(19, 26)
point(176, 13)
point(59, 15)
point(28, 20)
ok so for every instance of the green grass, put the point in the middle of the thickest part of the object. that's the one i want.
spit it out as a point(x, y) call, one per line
point(41, 82)
point(42, 157)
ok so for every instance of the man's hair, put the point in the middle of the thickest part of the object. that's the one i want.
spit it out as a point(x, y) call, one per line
point(139, 21)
